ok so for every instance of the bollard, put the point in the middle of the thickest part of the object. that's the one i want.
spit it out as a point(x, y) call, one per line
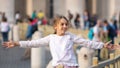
point(49, 65)
point(95, 61)
point(37, 54)
point(15, 33)
point(117, 53)
point(106, 66)
point(111, 57)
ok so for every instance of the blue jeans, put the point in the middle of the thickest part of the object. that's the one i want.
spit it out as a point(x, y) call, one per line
point(86, 25)
point(29, 32)
point(99, 54)
point(5, 36)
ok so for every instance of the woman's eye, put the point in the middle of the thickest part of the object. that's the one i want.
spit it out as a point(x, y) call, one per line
point(66, 24)
point(62, 24)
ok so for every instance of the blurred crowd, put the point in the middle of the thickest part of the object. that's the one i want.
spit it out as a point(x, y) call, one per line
point(100, 29)
point(103, 29)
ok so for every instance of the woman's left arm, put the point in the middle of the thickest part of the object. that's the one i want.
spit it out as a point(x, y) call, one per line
point(87, 43)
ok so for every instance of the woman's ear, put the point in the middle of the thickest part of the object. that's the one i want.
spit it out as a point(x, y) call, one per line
point(55, 27)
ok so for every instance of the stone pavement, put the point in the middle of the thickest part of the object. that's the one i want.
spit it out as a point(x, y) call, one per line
point(11, 58)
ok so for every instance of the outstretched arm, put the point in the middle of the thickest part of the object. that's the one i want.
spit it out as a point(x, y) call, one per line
point(91, 44)
point(33, 43)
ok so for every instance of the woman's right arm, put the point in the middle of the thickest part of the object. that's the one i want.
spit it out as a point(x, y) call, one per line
point(33, 43)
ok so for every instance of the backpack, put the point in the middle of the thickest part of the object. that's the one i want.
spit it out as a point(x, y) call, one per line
point(90, 34)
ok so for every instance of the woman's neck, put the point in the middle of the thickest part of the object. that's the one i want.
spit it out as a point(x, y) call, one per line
point(60, 34)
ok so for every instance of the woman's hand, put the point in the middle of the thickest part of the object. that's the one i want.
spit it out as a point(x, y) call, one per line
point(109, 45)
point(117, 47)
point(10, 44)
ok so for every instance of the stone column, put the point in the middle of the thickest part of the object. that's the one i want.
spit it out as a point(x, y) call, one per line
point(102, 8)
point(59, 7)
point(39, 5)
point(111, 8)
point(16, 33)
point(105, 8)
point(38, 57)
point(117, 9)
point(75, 6)
point(7, 6)
point(94, 6)
point(29, 7)
point(62, 6)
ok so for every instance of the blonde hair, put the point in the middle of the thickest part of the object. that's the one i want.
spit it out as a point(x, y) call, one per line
point(57, 20)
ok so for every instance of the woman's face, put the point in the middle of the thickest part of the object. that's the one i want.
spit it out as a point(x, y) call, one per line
point(61, 27)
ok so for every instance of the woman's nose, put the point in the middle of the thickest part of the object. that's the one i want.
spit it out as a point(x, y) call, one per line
point(64, 26)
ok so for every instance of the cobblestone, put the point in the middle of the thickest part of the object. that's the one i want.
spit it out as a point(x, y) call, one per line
point(11, 58)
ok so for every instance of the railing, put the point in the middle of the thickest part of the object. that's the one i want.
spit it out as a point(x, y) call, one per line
point(113, 62)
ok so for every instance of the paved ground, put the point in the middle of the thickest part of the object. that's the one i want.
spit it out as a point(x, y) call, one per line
point(11, 58)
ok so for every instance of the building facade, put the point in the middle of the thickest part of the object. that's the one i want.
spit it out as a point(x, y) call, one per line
point(103, 8)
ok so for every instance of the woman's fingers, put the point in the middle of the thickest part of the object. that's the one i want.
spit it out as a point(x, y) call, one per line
point(113, 47)
point(5, 44)
point(8, 44)
point(116, 47)
point(108, 42)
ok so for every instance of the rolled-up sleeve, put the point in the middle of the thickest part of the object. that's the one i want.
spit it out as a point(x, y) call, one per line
point(35, 43)
point(87, 43)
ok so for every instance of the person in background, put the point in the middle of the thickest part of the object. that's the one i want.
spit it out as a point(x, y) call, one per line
point(32, 27)
point(111, 31)
point(34, 15)
point(4, 16)
point(104, 52)
point(77, 21)
point(70, 16)
point(105, 37)
point(86, 19)
point(116, 27)
point(96, 35)
point(17, 17)
point(29, 29)
point(40, 16)
point(5, 28)
point(44, 21)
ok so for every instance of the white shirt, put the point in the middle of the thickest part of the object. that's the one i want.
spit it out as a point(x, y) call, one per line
point(61, 47)
point(4, 27)
point(96, 31)
point(17, 16)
